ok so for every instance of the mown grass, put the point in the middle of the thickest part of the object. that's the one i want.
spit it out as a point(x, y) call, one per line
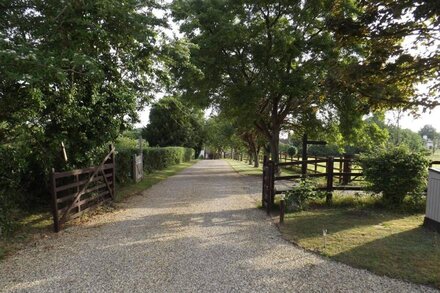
point(363, 234)
point(244, 168)
point(34, 226)
point(435, 156)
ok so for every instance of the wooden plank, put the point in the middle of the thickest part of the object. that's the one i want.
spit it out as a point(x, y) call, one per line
point(72, 195)
point(348, 174)
point(301, 162)
point(80, 171)
point(82, 182)
point(90, 208)
point(349, 188)
point(82, 202)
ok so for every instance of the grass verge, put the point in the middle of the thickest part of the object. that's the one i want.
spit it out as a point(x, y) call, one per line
point(34, 226)
point(244, 168)
point(362, 235)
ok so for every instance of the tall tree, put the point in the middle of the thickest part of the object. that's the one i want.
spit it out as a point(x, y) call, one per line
point(174, 124)
point(264, 58)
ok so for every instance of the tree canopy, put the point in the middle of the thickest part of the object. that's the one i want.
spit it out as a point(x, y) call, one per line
point(283, 64)
point(174, 124)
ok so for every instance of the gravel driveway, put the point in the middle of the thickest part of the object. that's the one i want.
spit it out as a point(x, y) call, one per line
point(198, 231)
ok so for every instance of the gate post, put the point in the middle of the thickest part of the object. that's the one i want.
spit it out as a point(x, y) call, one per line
point(304, 157)
point(329, 171)
point(264, 181)
point(113, 162)
point(56, 218)
point(271, 196)
point(347, 169)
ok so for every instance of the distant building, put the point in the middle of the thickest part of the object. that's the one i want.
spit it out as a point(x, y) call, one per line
point(429, 144)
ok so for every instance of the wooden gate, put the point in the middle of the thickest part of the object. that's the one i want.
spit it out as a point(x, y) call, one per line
point(77, 191)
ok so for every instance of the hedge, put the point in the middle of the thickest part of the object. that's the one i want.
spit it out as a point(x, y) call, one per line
point(155, 158)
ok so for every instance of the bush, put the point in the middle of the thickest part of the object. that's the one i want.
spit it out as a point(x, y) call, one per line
point(324, 150)
point(395, 173)
point(299, 197)
point(292, 151)
point(12, 192)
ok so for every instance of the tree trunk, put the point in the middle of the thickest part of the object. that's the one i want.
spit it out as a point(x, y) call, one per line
point(256, 162)
point(274, 148)
point(250, 157)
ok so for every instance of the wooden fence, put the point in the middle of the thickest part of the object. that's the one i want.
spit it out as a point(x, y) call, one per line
point(77, 191)
point(341, 168)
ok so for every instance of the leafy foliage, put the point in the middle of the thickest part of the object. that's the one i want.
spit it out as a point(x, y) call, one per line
point(292, 151)
point(174, 124)
point(395, 172)
point(73, 72)
point(298, 198)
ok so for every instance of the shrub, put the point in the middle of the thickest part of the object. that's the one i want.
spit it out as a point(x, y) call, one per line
point(12, 169)
point(292, 151)
point(299, 197)
point(395, 173)
point(324, 150)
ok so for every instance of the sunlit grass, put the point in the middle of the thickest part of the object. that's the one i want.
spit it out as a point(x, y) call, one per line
point(362, 234)
point(244, 168)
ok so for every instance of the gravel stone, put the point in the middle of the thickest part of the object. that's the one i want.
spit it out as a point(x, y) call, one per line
point(198, 231)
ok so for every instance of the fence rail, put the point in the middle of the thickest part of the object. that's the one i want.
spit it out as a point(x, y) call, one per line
point(343, 171)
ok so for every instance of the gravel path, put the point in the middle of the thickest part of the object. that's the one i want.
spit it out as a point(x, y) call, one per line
point(198, 231)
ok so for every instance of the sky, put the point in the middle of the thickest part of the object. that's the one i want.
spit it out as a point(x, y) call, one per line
point(406, 121)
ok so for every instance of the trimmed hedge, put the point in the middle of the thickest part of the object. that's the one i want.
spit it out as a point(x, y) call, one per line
point(155, 158)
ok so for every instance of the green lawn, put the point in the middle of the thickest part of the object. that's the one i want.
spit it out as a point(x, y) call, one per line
point(38, 225)
point(244, 168)
point(362, 235)
point(436, 156)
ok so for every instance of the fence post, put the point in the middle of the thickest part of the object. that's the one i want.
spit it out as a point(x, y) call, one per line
point(112, 156)
point(271, 176)
point(347, 169)
point(329, 171)
point(56, 219)
point(264, 181)
point(316, 164)
point(304, 156)
point(282, 210)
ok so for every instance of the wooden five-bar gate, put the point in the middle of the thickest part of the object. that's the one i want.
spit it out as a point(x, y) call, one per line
point(77, 191)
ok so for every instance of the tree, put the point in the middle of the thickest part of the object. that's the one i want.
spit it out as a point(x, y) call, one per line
point(282, 62)
point(406, 137)
point(262, 59)
point(73, 72)
point(174, 124)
